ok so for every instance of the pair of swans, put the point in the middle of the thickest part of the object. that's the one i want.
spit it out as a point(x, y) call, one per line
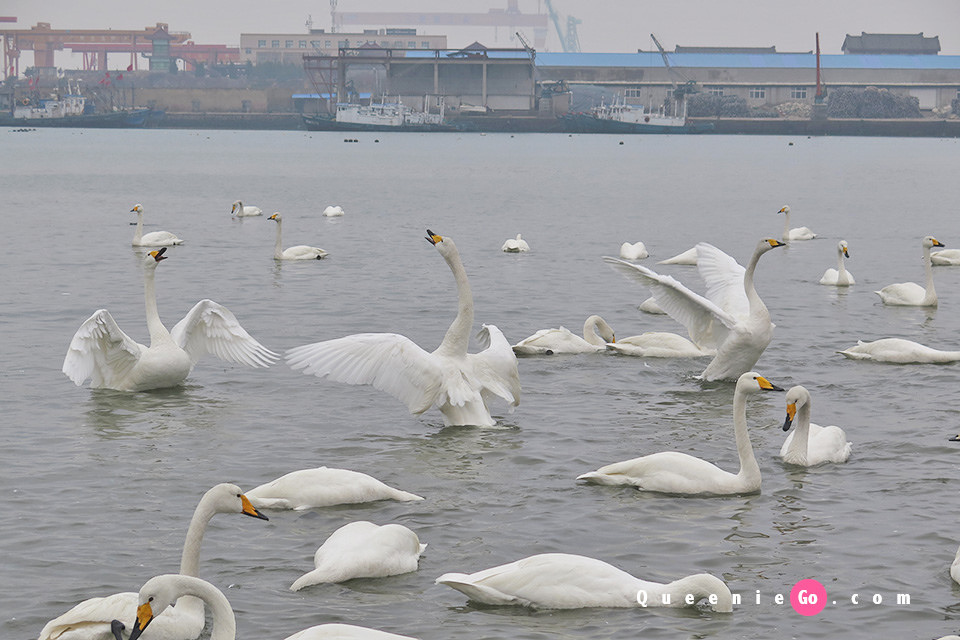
point(100, 350)
point(239, 210)
point(458, 383)
point(333, 211)
point(731, 319)
point(910, 294)
point(810, 444)
point(899, 351)
point(679, 473)
point(635, 251)
point(839, 277)
point(323, 487)
point(297, 252)
point(515, 245)
point(798, 233)
point(91, 619)
point(154, 238)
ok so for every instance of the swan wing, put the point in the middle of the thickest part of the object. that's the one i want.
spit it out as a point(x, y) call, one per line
point(100, 350)
point(706, 323)
point(336, 631)
point(387, 361)
point(212, 328)
point(723, 277)
point(496, 365)
point(92, 615)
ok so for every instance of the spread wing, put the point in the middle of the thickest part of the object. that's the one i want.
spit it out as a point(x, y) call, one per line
point(724, 280)
point(211, 328)
point(496, 365)
point(100, 350)
point(706, 323)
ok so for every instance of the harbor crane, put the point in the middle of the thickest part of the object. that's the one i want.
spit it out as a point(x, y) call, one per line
point(569, 40)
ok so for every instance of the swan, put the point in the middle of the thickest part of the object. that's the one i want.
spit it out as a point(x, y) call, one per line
point(799, 233)
point(731, 319)
point(650, 306)
point(154, 238)
point(839, 277)
point(679, 473)
point(161, 592)
point(687, 257)
point(298, 252)
point(946, 258)
point(955, 568)
point(910, 294)
point(240, 211)
point(459, 383)
point(100, 350)
point(636, 251)
point(567, 581)
point(658, 344)
point(899, 351)
point(596, 334)
point(333, 211)
point(323, 487)
point(91, 619)
point(515, 245)
point(810, 444)
point(363, 550)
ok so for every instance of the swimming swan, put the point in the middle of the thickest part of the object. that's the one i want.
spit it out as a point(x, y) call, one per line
point(515, 245)
point(955, 568)
point(910, 294)
point(899, 351)
point(810, 444)
point(731, 319)
point(161, 592)
point(363, 550)
point(679, 473)
point(459, 383)
point(100, 350)
point(658, 344)
point(839, 277)
point(154, 238)
point(636, 251)
point(238, 210)
point(596, 334)
point(946, 258)
point(799, 233)
point(687, 257)
point(297, 252)
point(567, 581)
point(323, 487)
point(90, 620)
point(333, 211)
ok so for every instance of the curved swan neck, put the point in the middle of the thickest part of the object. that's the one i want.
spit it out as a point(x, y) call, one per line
point(190, 558)
point(752, 297)
point(278, 245)
point(457, 338)
point(748, 463)
point(224, 622)
point(590, 333)
point(158, 332)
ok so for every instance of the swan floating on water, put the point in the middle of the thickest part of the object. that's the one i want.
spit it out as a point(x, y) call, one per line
point(679, 473)
point(658, 344)
point(567, 581)
point(515, 245)
point(899, 351)
point(731, 319)
point(91, 619)
point(596, 334)
point(333, 211)
point(798, 233)
point(323, 487)
point(810, 444)
point(363, 550)
point(297, 252)
point(154, 238)
point(955, 568)
point(635, 251)
point(839, 277)
point(688, 257)
point(456, 382)
point(910, 294)
point(100, 350)
point(946, 258)
point(238, 210)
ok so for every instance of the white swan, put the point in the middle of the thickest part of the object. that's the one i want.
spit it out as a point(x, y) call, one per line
point(90, 620)
point(731, 318)
point(650, 306)
point(323, 487)
point(363, 550)
point(687, 257)
point(154, 238)
point(515, 245)
point(839, 277)
point(460, 384)
point(658, 344)
point(567, 581)
point(161, 592)
point(297, 252)
point(946, 258)
point(899, 351)
point(596, 334)
point(238, 210)
point(333, 211)
point(679, 473)
point(810, 444)
point(635, 251)
point(955, 568)
point(910, 294)
point(799, 233)
point(100, 350)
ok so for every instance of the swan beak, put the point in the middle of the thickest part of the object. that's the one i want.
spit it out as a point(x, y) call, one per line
point(250, 510)
point(273, 217)
point(766, 385)
point(776, 243)
point(955, 438)
point(158, 254)
point(937, 243)
point(144, 617)
point(433, 238)
point(791, 412)
point(782, 210)
point(846, 254)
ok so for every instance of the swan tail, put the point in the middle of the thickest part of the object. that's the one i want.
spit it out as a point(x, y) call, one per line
point(595, 477)
point(476, 592)
point(405, 496)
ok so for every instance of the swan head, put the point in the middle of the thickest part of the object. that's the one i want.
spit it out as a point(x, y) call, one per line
point(154, 257)
point(237, 206)
point(157, 593)
point(229, 498)
point(842, 248)
point(445, 246)
point(796, 397)
point(751, 382)
point(600, 327)
point(276, 217)
point(705, 586)
point(769, 243)
point(137, 208)
point(785, 209)
point(930, 242)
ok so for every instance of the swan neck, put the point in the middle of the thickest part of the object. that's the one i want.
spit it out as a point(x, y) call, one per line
point(138, 234)
point(278, 245)
point(190, 558)
point(786, 226)
point(748, 463)
point(457, 339)
point(931, 295)
point(752, 298)
point(158, 332)
point(801, 434)
point(224, 622)
point(590, 334)
point(841, 266)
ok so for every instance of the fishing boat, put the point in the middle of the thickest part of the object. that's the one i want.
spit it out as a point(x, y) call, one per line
point(620, 117)
point(68, 110)
point(382, 116)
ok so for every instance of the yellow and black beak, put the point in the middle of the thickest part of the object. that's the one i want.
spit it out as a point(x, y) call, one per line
point(937, 243)
point(433, 238)
point(144, 618)
point(766, 385)
point(775, 243)
point(250, 510)
point(791, 413)
point(273, 217)
point(846, 254)
point(955, 438)
point(158, 254)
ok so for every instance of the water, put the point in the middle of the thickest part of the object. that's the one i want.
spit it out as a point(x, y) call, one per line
point(99, 486)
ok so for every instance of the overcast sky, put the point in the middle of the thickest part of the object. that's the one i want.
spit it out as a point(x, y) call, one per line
point(607, 25)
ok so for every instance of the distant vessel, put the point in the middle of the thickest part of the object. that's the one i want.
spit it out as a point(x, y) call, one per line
point(69, 110)
point(382, 116)
point(620, 117)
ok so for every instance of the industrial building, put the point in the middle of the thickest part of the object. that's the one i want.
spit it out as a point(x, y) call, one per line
point(289, 48)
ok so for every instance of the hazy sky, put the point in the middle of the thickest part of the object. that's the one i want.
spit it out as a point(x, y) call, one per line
point(608, 26)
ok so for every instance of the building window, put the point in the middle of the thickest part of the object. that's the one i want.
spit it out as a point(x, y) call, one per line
point(315, 44)
point(326, 44)
point(398, 43)
point(261, 43)
point(633, 92)
point(426, 45)
point(288, 44)
point(715, 91)
point(411, 45)
point(758, 92)
point(798, 93)
point(248, 51)
point(343, 43)
point(275, 44)
point(303, 44)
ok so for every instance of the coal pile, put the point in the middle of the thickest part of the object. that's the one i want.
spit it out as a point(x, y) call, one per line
point(871, 102)
point(704, 105)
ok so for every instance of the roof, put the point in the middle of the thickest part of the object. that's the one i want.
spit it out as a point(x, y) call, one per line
point(891, 43)
point(682, 49)
point(748, 61)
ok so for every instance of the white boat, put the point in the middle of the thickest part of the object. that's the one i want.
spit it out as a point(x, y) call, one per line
point(620, 117)
point(382, 116)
